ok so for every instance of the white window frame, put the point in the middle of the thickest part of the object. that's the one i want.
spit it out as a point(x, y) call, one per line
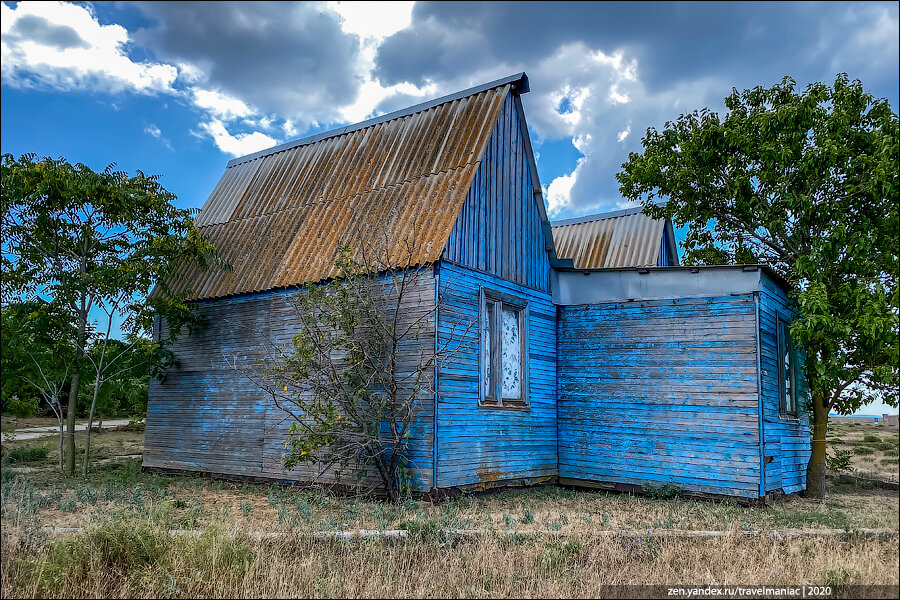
point(501, 300)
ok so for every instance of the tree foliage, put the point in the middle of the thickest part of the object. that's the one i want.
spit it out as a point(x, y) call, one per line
point(82, 239)
point(806, 181)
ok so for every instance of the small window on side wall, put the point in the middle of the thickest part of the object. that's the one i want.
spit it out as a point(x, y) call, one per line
point(503, 350)
point(787, 370)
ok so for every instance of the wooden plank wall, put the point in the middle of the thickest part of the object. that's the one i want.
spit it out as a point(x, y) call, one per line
point(209, 417)
point(482, 445)
point(786, 439)
point(660, 391)
point(498, 230)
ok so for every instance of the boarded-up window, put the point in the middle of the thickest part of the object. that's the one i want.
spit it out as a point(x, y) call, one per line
point(503, 350)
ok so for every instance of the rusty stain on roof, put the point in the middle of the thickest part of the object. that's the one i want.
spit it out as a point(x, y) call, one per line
point(279, 218)
point(626, 238)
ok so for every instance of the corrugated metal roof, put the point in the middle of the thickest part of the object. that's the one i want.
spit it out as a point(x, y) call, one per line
point(625, 238)
point(279, 216)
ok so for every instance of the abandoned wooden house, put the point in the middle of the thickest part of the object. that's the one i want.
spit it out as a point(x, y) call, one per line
point(631, 371)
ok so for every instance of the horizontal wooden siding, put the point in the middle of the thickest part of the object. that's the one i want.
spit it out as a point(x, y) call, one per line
point(787, 446)
point(481, 445)
point(661, 391)
point(211, 417)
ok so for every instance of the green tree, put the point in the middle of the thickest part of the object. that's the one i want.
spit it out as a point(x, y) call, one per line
point(808, 183)
point(82, 239)
point(38, 350)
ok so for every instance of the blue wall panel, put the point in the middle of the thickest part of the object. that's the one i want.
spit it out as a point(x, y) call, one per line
point(211, 417)
point(786, 437)
point(484, 445)
point(659, 391)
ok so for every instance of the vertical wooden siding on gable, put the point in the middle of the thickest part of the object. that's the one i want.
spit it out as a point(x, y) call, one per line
point(786, 438)
point(498, 230)
point(208, 417)
point(652, 392)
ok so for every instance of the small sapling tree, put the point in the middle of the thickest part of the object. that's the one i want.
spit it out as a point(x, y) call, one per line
point(359, 368)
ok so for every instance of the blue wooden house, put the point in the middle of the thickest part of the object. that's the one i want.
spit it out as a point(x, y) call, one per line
point(591, 357)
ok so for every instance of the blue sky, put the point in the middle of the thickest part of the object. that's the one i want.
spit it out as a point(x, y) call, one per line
point(177, 89)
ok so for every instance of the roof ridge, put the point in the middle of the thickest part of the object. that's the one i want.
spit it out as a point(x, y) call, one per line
point(521, 87)
point(599, 216)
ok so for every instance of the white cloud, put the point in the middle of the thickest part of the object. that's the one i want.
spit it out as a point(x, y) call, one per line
point(63, 46)
point(623, 135)
point(559, 192)
point(219, 105)
point(238, 144)
point(153, 130)
point(372, 22)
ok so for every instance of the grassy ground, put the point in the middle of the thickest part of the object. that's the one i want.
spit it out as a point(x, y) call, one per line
point(873, 449)
point(125, 549)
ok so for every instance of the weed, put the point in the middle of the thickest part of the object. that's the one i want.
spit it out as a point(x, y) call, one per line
point(28, 454)
point(863, 450)
point(246, 508)
point(528, 517)
point(7, 474)
point(665, 491)
point(508, 520)
point(558, 556)
point(840, 462)
point(890, 461)
point(303, 508)
point(67, 505)
point(869, 437)
point(86, 494)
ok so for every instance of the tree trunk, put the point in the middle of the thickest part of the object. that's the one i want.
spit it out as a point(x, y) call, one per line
point(90, 424)
point(73, 392)
point(815, 471)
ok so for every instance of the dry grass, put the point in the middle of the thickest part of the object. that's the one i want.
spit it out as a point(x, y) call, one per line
point(145, 562)
point(554, 549)
point(870, 459)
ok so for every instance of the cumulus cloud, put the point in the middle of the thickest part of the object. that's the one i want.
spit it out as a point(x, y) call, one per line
point(63, 46)
point(238, 144)
point(602, 73)
point(292, 60)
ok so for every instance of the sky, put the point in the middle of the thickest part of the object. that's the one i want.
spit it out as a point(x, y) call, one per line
point(178, 89)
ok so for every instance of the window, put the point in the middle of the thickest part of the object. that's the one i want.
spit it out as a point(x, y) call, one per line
point(787, 370)
point(503, 350)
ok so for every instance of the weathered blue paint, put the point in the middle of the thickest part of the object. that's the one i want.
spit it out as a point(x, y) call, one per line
point(661, 391)
point(209, 416)
point(786, 438)
point(499, 229)
point(497, 244)
point(487, 445)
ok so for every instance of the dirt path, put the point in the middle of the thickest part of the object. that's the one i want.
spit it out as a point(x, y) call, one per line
point(32, 433)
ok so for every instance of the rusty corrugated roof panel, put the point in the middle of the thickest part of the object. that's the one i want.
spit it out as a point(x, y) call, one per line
point(279, 216)
point(625, 238)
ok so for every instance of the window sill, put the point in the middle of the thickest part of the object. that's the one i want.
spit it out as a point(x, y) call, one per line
point(508, 406)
